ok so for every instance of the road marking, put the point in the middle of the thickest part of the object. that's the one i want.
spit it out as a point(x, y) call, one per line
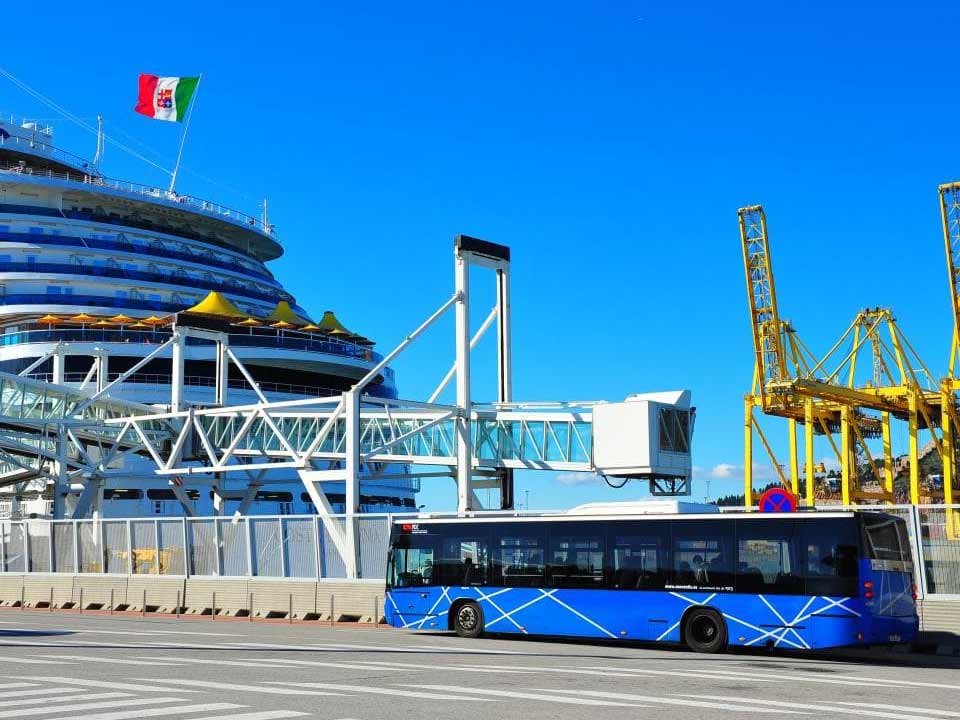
point(398, 666)
point(457, 668)
point(624, 672)
point(208, 661)
point(377, 648)
point(241, 688)
point(540, 695)
point(926, 711)
point(713, 703)
point(84, 683)
point(126, 702)
point(264, 715)
point(34, 691)
point(825, 707)
point(31, 661)
point(154, 712)
point(384, 691)
point(71, 698)
point(145, 631)
point(835, 679)
point(123, 661)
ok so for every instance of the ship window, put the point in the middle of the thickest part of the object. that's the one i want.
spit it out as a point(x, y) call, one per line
point(54, 290)
point(6, 258)
point(121, 294)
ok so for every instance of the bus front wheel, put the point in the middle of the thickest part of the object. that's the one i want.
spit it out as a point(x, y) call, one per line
point(704, 631)
point(468, 620)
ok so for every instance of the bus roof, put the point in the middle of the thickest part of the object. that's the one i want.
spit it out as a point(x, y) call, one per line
point(513, 517)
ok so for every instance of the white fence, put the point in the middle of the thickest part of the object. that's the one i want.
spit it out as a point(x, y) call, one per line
point(287, 546)
point(299, 546)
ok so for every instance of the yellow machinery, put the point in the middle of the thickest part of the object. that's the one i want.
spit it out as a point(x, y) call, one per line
point(950, 216)
point(830, 396)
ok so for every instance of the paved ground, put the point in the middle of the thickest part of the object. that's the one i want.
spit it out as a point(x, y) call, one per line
point(84, 667)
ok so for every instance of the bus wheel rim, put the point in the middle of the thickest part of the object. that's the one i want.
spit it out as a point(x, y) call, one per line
point(467, 617)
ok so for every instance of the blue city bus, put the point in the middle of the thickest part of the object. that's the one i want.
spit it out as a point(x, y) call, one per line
point(797, 581)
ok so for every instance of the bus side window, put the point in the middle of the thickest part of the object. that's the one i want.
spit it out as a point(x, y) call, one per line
point(830, 556)
point(576, 555)
point(637, 558)
point(702, 554)
point(464, 557)
point(768, 557)
point(518, 554)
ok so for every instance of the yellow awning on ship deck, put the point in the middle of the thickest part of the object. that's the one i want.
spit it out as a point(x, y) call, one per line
point(284, 313)
point(83, 318)
point(250, 322)
point(216, 303)
point(330, 325)
point(49, 320)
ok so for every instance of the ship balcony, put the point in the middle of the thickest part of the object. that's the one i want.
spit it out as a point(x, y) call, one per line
point(177, 279)
point(122, 244)
point(185, 206)
point(258, 346)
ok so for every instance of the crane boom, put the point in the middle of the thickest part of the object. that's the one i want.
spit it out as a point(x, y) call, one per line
point(950, 215)
point(761, 293)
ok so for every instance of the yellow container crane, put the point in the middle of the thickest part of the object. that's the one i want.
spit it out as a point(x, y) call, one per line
point(828, 396)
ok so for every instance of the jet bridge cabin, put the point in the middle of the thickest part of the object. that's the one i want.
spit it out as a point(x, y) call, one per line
point(646, 436)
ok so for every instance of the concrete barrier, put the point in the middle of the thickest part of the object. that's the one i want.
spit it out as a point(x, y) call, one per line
point(280, 598)
point(44, 591)
point(11, 590)
point(96, 592)
point(229, 595)
point(147, 593)
point(358, 601)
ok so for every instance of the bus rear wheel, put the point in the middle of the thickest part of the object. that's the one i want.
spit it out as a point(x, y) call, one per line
point(468, 620)
point(704, 631)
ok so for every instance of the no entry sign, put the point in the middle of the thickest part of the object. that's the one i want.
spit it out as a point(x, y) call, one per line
point(778, 499)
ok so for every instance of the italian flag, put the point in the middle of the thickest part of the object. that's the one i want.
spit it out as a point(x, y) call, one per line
point(165, 98)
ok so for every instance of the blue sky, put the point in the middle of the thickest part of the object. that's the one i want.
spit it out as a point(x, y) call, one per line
point(608, 143)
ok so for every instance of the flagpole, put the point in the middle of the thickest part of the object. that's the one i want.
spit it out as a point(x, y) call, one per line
point(183, 135)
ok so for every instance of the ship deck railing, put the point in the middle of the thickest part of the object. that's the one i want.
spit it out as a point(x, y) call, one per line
point(95, 180)
point(279, 339)
point(166, 379)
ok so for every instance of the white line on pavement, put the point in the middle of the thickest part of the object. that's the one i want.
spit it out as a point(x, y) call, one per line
point(121, 661)
point(208, 661)
point(263, 715)
point(126, 702)
point(460, 691)
point(147, 630)
point(834, 679)
point(84, 683)
point(713, 703)
point(384, 691)
point(71, 698)
point(456, 668)
point(826, 707)
point(30, 661)
point(879, 706)
point(240, 688)
point(34, 691)
point(154, 712)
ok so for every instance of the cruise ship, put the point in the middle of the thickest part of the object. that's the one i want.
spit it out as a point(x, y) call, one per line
point(93, 269)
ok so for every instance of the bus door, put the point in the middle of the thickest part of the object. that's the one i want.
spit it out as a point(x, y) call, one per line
point(410, 575)
point(887, 566)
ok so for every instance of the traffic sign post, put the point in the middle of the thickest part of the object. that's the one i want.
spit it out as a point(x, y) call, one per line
point(778, 500)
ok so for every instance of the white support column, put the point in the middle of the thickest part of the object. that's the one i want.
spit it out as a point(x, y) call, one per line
point(103, 370)
point(176, 384)
point(351, 405)
point(464, 454)
point(504, 352)
point(59, 362)
point(223, 372)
